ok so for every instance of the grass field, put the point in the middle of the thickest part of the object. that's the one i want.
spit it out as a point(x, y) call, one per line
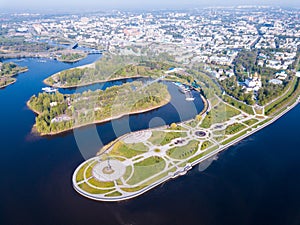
point(128, 150)
point(251, 122)
point(234, 128)
point(219, 114)
point(184, 151)
point(163, 138)
point(89, 189)
point(146, 169)
point(205, 145)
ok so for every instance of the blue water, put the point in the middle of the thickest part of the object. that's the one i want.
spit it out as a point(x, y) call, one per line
point(254, 182)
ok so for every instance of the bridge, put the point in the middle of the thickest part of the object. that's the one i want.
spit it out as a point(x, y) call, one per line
point(94, 51)
point(74, 45)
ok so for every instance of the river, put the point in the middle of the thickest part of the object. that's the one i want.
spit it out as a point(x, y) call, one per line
point(254, 182)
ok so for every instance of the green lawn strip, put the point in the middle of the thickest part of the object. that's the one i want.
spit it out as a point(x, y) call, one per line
point(128, 150)
point(219, 114)
point(146, 169)
point(178, 127)
point(234, 137)
point(80, 173)
point(250, 122)
point(127, 172)
point(242, 106)
point(220, 138)
point(183, 152)
point(213, 101)
point(146, 184)
point(202, 154)
point(206, 144)
point(219, 132)
point(163, 138)
point(287, 103)
point(93, 181)
point(86, 187)
point(89, 170)
point(262, 123)
point(113, 194)
point(234, 128)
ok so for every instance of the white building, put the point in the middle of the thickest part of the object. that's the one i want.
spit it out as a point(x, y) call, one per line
point(253, 83)
point(281, 76)
point(275, 81)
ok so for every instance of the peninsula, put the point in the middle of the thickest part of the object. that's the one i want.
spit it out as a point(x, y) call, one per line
point(138, 162)
point(110, 67)
point(57, 113)
point(7, 73)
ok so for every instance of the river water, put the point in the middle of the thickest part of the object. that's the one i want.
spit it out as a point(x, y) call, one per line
point(254, 182)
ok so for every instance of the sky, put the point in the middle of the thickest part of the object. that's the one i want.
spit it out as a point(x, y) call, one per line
point(133, 4)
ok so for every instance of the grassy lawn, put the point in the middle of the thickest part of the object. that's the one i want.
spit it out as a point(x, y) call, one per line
point(234, 128)
point(79, 175)
point(219, 114)
point(219, 132)
point(242, 106)
point(163, 138)
point(128, 150)
point(202, 154)
point(91, 190)
point(206, 144)
point(127, 172)
point(233, 138)
point(146, 169)
point(114, 194)
point(250, 122)
point(149, 182)
point(100, 184)
point(184, 151)
point(178, 127)
point(193, 123)
point(89, 171)
point(220, 138)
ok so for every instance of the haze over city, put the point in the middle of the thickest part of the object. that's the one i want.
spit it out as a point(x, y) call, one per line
point(133, 4)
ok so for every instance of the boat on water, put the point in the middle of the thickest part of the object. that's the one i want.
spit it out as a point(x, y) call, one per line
point(185, 90)
point(49, 89)
point(189, 96)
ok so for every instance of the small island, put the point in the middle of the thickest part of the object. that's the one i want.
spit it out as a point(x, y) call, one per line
point(7, 73)
point(71, 57)
point(57, 113)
